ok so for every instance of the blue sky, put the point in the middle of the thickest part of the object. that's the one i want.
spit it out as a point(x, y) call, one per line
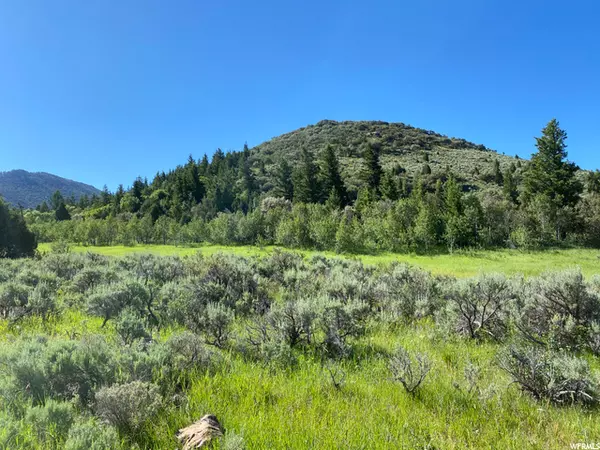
point(102, 91)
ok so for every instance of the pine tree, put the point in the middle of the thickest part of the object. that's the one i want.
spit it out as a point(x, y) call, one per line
point(498, 177)
point(453, 200)
point(56, 200)
point(15, 239)
point(549, 173)
point(304, 178)
point(389, 186)
point(510, 187)
point(283, 181)
point(330, 177)
point(371, 174)
point(62, 213)
point(44, 207)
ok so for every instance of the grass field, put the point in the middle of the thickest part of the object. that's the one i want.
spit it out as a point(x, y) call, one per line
point(459, 264)
point(282, 396)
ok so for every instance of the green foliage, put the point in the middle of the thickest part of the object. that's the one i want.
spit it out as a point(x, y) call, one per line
point(213, 325)
point(549, 174)
point(372, 171)
point(558, 377)
point(91, 435)
point(15, 239)
point(128, 406)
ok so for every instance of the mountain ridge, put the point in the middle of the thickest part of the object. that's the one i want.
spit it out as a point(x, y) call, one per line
point(28, 189)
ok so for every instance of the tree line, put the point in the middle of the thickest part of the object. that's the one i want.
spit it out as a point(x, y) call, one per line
point(235, 199)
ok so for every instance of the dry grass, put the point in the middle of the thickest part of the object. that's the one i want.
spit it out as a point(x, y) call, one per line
point(200, 433)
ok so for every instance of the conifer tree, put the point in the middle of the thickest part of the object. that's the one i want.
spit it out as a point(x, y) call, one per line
point(389, 186)
point(283, 180)
point(498, 177)
point(331, 178)
point(549, 173)
point(304, 178)
point(510, 187)
point(371, 174)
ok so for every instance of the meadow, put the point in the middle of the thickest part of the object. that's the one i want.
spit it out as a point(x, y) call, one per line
point(122, 351)
point(461, 263)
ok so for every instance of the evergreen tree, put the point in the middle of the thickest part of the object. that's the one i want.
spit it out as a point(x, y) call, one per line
point(426, 170)
point(330, 177)
point(498, 177)
point(304, 178)
point(389, 186)
point(56, 200)
point(283, 180)
point(193, 183)
point(203, 166)
point(453, 201)
point(549, 173)
point(371, 174)
point(510, 187)
point(105, 196)
point(62, 213)
point(16, 240)
point(44, 207)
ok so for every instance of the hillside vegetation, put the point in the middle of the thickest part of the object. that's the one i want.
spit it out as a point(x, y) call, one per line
point(29, 189)
point(349, 187)
point(399, 144)
point(292, 352)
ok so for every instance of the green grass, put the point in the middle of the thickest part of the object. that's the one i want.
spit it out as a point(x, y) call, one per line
point(459, 264)
point(299, 408)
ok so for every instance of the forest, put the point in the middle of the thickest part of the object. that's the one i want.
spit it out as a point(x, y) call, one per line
point(365, 202)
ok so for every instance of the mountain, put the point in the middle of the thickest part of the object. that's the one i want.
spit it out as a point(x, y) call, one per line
point(29, 189)
point(399, 144)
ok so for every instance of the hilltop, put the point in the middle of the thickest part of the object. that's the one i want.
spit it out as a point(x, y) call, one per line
point(401, 144)
point(29, 189)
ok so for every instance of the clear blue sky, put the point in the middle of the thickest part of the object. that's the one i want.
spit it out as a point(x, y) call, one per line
point(104, 90)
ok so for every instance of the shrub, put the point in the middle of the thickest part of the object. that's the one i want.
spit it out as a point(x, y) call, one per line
point(128, 406)
point(217, 324)
point(88, 434)
point(13, 300)
point(130, 327)
point(407, 293)
point(339, 322)
point(559, 310)
point(557, 377)
point(42, 301)
point(481, 307)
point(51, 421)
point(409, 370)
point(292, 321)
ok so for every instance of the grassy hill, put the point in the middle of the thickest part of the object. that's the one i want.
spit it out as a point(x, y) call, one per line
point(29, 189)
point(399, 144)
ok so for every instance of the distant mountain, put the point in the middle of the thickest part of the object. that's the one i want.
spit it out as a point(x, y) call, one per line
point(29, 189)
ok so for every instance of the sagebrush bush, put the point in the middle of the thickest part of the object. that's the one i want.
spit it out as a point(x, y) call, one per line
point(555, 376)
point(407, 293)
point(559, 310)
point(131, 327)
point(481, 307)
point(128, 406)
point(89, 434)
point(51, 421)
point(409, 370)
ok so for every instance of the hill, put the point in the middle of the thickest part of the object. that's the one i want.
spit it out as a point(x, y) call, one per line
point(29, 189)
point(401, 144)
